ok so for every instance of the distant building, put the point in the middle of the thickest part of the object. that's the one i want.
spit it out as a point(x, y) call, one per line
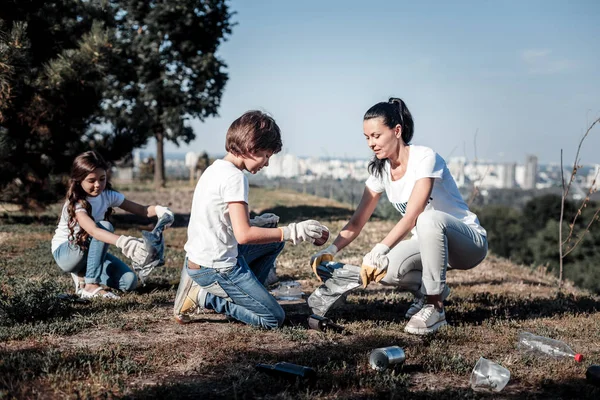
point(507, 175)
point(531, 169)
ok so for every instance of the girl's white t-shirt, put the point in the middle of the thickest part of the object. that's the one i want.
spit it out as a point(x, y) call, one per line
point(211, 242)
point(423, 162)
point(99, 204)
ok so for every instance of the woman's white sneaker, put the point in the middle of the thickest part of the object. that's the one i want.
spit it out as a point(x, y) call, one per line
point(427, 320)
point(419, 302)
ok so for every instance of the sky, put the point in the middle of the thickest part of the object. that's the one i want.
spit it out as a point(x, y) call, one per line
point(486, 80)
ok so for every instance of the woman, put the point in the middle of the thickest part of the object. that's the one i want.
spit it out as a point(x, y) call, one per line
point(418, 183)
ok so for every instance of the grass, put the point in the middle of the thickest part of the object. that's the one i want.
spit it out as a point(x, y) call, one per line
point(132, 348)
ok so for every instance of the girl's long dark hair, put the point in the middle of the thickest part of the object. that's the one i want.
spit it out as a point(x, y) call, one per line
point(83, 165)
point(393, 112)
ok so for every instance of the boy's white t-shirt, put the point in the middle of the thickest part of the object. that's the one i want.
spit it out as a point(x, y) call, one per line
point(99, 204)
point(211, 242)
point(423, 162)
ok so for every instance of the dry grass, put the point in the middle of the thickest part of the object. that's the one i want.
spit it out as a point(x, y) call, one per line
point(132, 347)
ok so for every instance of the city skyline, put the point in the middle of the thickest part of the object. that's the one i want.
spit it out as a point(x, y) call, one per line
point(492, 80)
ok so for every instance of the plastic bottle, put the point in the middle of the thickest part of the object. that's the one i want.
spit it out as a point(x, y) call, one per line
point(530, 343)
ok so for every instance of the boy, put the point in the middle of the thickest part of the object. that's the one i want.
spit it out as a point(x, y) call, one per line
point(227, 257)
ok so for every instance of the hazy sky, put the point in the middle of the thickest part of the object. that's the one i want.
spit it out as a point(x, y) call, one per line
point(525, 75)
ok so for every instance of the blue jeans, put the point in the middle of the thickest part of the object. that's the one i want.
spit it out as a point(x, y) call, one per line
point(239, 291)
point(100, 267)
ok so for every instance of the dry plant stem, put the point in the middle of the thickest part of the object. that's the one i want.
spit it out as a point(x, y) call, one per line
point(565, 192)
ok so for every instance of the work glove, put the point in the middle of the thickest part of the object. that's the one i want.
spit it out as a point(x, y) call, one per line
point(374, 265)
point(305, 231)
point(160, 211)
point(133, 248)
point(263, 220)
point(324, 255)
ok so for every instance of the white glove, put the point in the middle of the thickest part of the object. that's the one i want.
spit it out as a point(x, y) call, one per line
point(374, 265)
point(305, 231)
point(323, 255)
point(160, 211)
point(264, 220)
point(133, 248)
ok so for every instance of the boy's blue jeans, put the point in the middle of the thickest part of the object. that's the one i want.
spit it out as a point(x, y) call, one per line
point(100, 267)
point(239, 291)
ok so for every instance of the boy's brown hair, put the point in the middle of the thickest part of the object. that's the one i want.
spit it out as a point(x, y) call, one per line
point(254, 131)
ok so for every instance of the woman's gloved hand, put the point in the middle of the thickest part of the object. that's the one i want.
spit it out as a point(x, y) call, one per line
point(374, 265)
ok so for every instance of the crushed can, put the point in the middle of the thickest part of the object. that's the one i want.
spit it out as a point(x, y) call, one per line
point(384, 357)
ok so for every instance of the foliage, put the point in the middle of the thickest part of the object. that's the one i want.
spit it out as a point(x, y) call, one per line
point(53, 59)
point(167, 71)
point(530, 236)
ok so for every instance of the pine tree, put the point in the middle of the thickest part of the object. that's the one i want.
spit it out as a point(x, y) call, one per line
point(167, 70)
point(53, 65)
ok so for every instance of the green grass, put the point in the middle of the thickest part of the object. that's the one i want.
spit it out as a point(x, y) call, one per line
point(132, 348)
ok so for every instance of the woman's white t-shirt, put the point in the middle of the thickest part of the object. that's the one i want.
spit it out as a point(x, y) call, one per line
point(423, 162)
point(99, 204)
point(211, 242)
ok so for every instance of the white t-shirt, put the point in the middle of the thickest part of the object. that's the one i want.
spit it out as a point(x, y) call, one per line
point(211, 242)
point(423, 162)
point(99, 204)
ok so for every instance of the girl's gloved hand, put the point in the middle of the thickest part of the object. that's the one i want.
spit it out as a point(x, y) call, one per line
point(326, 254)
point(133, 248)
point(160, 211)
point(305, 231)
point(374, 265)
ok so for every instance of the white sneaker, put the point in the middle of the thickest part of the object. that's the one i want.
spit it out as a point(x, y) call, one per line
point(427, 320)
point(419, 302)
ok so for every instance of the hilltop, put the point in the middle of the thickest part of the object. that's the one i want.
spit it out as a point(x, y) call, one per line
point(133, 348)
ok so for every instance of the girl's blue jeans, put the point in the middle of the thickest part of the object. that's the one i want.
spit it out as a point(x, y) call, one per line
point(100, 267)
point(239, 291)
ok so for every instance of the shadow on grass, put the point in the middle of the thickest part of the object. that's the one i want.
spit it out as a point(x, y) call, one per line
point(298, 213)
point(473, 309)
point(504, 307)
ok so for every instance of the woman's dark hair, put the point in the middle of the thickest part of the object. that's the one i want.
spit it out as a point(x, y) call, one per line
point(254, 131)
point(392, 113)
point(83, 165)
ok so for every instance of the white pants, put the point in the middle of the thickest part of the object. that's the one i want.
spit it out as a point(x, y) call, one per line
point(442, 242)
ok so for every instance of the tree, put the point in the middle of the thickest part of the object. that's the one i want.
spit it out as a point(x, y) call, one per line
point(53, 60)
point(574, 237)
point(168, 71)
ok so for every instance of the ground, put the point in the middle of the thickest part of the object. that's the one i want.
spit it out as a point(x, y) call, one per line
point(132, 348)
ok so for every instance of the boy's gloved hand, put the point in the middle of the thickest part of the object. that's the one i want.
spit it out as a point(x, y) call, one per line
point(160, 211)
point(133, 248)
point(305, 231)
point(374, 265)
point(323, 255)
point(264, 220)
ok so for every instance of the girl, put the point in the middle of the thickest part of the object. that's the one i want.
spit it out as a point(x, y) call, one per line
point(81, 240)
point(420, 186)
point(227, 257)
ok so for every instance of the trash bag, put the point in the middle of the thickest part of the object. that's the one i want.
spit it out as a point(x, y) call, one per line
point(155, 246)
point(338, 280)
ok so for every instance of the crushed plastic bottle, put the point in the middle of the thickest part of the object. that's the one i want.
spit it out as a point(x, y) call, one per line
point(288, 290)
point(540, 345)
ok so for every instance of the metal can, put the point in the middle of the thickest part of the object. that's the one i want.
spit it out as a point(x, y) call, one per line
point(380, 359)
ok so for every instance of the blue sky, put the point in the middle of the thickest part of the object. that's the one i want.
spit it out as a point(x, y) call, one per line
point(524, 75)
